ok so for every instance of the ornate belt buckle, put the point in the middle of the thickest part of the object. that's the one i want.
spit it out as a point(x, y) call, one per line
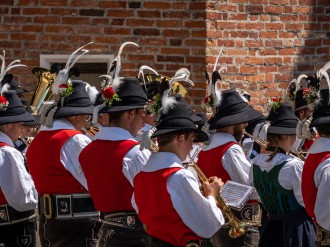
point(129, 221)
point(63, 206)
point(192, 245)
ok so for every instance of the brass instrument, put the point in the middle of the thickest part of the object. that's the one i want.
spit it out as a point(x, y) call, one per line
point(43, 91)
point(237, 228)
point(261, 143)
point(91, 131)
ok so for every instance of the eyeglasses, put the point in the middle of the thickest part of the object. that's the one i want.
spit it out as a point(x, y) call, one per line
point(89, 117)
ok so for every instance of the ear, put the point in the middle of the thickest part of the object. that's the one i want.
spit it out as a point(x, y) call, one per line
point(180, 138)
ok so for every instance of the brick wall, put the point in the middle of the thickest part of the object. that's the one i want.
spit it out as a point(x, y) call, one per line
point(266, 42)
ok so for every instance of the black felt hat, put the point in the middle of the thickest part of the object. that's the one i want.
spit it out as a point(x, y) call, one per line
point(99, 101)
point(27, 106)
point(9, 79)
point(77, 103)
point(152, 87)
point(321, 114)
point(283, 121)
point(196, 119)
point(15, 111)
point(252, 124)
point(131, 96)
point(177, 119)
point(232, 110)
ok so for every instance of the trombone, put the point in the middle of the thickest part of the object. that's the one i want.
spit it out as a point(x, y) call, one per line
point(238, 228)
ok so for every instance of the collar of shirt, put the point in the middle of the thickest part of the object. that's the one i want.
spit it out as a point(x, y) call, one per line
point(217, 139)
point(321, 144)
point(161, 160)
point(58, 124)
point(114, 134)
point(4, 138)
point(261, 160)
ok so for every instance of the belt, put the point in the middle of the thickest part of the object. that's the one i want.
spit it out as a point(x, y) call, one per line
point(9, 215)
point(127, 220)
point(250, 213)
point(69, 206)
point(190, 243)
point(322, 236)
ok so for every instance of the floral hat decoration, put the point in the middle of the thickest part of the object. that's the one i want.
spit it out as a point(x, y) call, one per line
point(4, 87)
point(62, 86)
point(111, 83)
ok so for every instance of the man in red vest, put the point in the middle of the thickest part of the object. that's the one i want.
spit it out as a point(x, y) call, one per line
point(67, 213)
point(316, 171)
point(112, 160)
point(166, 195)
point(224, 158)
point(18, 196)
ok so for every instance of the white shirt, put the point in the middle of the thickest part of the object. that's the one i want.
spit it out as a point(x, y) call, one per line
point(322, 183)
point(289, 176)
point(135, 159)
point(200, 214)
point(71, 150)
point(234, 160)
point(15, 182)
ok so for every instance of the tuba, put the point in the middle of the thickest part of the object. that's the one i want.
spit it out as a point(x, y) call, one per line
point(43, 91)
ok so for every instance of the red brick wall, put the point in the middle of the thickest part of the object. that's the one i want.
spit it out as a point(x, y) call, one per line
point(266, 41)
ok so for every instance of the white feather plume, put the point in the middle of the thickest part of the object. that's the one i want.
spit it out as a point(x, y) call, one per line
point(5, 69)
point(181, 75)
point(63, 75)
point(217, 60)
point(298, 83)
point(217, 95)
point(168, 102)
point(141, 72)
point(92, 92)
point(288, 87)
point(326, 67)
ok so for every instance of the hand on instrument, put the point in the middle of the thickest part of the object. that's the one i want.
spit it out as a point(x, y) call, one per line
point(212, 187)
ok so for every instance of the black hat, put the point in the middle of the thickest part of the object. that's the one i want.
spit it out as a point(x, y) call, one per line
point(77, 103)
point(9, 79)
point(153, 88)
point(283, 121)
point(252, 124)
point(321, 114)
point(27, 106)
point(15, 111)
point(131, 96)
point(232, 110)
point(196, 119)
point(177, 119)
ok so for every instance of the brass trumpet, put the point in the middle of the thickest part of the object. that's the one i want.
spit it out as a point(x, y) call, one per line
point(237, 228)
point(261, 143)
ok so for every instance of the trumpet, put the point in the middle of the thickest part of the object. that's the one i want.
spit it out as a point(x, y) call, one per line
point(261, 143)
point(237, 228)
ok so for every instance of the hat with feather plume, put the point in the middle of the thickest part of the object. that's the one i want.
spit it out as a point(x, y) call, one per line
point(11, 108)
point(71, 97)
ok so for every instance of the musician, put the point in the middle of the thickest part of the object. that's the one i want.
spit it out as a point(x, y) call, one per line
point(18, 196)
point(68, 216)
point(112, 160)
point(277, 178)
point(167, 196)
point(223, 157)
point(316, 171)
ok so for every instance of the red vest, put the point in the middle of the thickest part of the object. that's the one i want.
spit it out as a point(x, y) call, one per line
point(43, 158)
point(102, 163)
point(308, 187)
point(156, 210)
point(2, 196)
point(210, 161)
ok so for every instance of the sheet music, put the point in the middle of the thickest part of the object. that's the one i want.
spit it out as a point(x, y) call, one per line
point(298, 144)
point(236, 195)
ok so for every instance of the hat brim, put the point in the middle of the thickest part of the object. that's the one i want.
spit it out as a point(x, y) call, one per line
point(320, 121)
point(201, 136)
point(242, 117)
point(279, 130)
point(304, 107)
point(25, 117)
point(35, 122)
point(21, 90)
point(73, 111)
point(125, 108)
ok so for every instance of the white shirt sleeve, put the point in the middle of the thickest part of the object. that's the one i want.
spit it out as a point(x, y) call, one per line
point(200, 214)
point(322, 204)
point(134, 161)
point(70, 156)
point(15, 182)
point(289, 178)
point(236, 164)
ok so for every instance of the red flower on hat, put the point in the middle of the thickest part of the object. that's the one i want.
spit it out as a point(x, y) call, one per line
point(274, 103)
point(275, 99)
point(3, 103)
point(108, 92)
point(206, 100)
point(109, 95)
point(65, 89)
point(63, 86)
point(310, 94)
